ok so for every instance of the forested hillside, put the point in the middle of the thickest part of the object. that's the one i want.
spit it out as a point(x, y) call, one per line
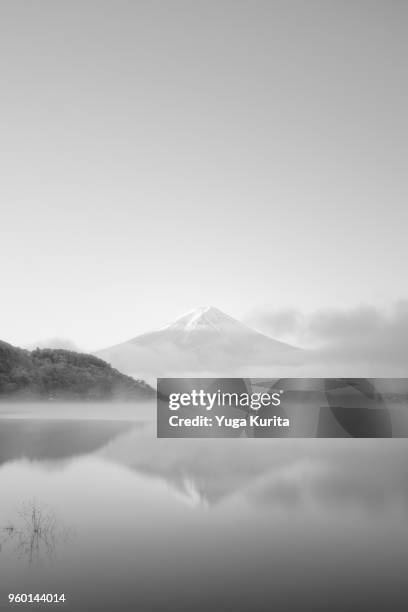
point(61, 374)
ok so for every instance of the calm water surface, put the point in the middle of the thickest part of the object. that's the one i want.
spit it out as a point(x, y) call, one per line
point(94, 506)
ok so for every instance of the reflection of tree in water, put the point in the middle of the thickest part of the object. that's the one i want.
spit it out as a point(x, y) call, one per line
point(35, 533)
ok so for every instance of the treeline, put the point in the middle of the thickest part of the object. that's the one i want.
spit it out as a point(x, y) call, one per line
point(63, 374)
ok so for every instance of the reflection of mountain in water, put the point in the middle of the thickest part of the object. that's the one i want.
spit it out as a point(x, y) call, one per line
point(204, 471)
point(54, 439)
point(285, 472)
point(293, 473)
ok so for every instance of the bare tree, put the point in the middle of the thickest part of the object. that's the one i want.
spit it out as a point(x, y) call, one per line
point(35, 533)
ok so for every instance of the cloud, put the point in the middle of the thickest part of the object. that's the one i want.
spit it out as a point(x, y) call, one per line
point(364, 334)
point(337, 325)
point(277, 323)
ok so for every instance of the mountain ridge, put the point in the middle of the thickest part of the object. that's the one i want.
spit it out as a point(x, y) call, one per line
point(202, 340)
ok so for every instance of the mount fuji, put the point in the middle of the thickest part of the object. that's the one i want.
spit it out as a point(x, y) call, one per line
point(203, 342)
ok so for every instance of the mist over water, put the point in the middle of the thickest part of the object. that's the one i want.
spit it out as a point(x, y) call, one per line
point(139, 523)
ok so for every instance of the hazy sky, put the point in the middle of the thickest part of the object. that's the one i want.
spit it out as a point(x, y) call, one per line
point(156, 156)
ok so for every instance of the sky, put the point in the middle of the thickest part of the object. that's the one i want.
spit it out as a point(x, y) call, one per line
point(161, 155)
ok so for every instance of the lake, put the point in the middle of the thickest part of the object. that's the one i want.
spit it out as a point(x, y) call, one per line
point(95, 507)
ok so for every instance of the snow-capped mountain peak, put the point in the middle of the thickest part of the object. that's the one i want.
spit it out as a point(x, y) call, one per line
point(203, 317)
point(202, 341)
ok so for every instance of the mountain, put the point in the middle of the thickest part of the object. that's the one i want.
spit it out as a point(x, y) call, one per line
point(202, 342)
point(62, 374)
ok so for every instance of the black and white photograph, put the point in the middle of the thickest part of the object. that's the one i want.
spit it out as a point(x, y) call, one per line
point(204, 305)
